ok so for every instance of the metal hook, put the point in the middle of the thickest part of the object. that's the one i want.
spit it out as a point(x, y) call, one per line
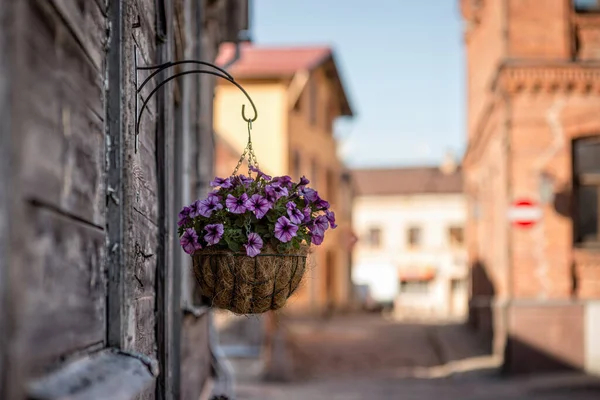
point(249, 120)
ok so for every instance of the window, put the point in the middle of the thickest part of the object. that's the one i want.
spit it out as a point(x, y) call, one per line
point(374, 237)
point(586, 184)
point(586, 5)
point(312, 101)
point(414, 236)
point(314, 173)
point(414, 287)
point(331, 186)
point(296, 164)
point(456, 236)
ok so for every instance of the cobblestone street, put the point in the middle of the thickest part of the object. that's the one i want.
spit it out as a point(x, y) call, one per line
point(369, 357)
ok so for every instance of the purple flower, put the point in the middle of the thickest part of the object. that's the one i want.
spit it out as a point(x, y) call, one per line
point(322, 204)
point(254, 245)
point(303, 181)
point(330, 215)
point(307, 214)
point(317, 237)
point(259, 173)
point(224, 183)
point(194, 208)
point(214, 233)
point(295, 215)
point(285, 230)
point(245, 180)
point(310, 195)
point(321, 225)
point(270, 195)
point(210, 204)
point(184, 216)
point(189, 241)
point(259, 205)
point(276, 190)
point(236, 205)
point(283, 181)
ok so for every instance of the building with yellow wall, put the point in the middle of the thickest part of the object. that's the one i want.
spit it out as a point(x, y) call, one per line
point(299, 95)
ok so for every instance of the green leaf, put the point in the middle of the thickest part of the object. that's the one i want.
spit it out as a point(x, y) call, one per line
point(232, 244)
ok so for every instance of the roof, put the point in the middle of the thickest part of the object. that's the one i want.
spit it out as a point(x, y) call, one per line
point(280, 62)
point(406, 181)
point(258, 61)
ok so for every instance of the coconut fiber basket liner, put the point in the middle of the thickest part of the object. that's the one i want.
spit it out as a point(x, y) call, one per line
point(249, 285)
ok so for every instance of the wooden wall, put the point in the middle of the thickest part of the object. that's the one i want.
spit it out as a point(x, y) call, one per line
point(93, 285)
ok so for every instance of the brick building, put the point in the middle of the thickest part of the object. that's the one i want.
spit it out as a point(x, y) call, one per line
point(533, 131)
point(96, 299)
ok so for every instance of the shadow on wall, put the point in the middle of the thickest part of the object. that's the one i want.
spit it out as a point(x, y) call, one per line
point(524, 358)
point(481, 312)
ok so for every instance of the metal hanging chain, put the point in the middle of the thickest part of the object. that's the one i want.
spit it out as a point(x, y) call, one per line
point(248, 152)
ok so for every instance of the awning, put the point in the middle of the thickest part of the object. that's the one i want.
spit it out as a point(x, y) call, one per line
point(416, 273)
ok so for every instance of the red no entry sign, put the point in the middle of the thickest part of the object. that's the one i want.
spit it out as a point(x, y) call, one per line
point(524, 213)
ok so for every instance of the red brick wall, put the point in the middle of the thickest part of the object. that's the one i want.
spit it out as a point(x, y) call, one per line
point(528, 99)
point(539, 29)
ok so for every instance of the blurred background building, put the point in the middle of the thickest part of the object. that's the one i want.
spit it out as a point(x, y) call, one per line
point(411, 254)
point(300, 95)
point(533, 132)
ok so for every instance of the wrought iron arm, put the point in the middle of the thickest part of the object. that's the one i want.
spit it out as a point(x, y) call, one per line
point(221, 73)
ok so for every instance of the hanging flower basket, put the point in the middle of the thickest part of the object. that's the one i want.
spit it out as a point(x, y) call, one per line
point(250, 237)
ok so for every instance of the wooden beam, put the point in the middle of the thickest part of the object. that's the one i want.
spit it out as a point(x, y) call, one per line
point(120, 375)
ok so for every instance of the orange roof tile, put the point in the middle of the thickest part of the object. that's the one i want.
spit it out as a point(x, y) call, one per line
point(271, 61)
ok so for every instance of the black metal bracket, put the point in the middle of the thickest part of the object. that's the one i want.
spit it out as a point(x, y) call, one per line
point(156, 69)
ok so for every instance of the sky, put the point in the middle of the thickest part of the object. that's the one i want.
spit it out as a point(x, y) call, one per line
point(401, 62)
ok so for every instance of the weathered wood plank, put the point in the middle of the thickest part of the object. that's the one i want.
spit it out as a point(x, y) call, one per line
point(12, 238)
point(195, 356)
point(143, 260)
point(63, 139)
point(66, 287)
point(75, 17)
point(105, 375)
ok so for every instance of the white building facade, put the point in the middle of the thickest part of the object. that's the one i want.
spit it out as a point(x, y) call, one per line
point(411, 252)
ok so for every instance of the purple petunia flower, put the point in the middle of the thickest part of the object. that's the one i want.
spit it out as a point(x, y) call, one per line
point(254, 245)
point(259, 173)
point(285, 230)
point(317, 238)
point(330, 215)
point(303, 181)
point(296, 216)
point(214, 233)
point(245, 180)
point(270, 195)
point(210, 204)
point(321, 225)
point(236, 205)
point(189, 241)
point(307, 214)
point(322, 204)
point(214, 194)
point(259, 205)
point(224, 183)
point(194, 207)
point(283, 181)
point(310, 195)
point(184, 216)
point(276, 190)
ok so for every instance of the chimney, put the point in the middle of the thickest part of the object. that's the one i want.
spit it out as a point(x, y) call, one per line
point(449, 164)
